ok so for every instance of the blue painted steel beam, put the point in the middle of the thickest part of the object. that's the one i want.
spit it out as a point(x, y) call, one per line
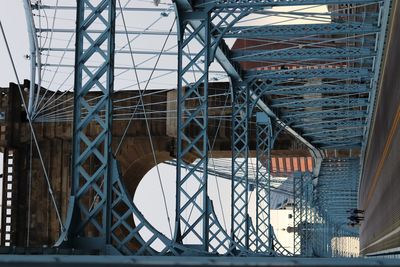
point(315, 89)
point(353, 142)
point(330, 138)
point(336, 172)
point(309, 54)
point(333, 73)
point(344, 191)
point(357, 137)
point(263, 177)
point(336, 199)
point(192, 215)
point(337, 179)
point(240, 224)
point(336, 190)
point(338, 184)
point(222, 4)
point(309, 132)
point(342, 145)
point(312, 124)
point(326, 132)
point(320, 102)
point(338, 196)
point(233, 69)
point(344, 133)
point(94, 150)
point(323, 114)
point(341, 175)
point(271, 31)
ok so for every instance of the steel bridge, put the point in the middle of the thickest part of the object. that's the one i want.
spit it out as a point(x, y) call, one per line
point(263, 69)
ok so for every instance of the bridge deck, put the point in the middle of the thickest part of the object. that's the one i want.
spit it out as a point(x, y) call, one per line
point(117, 261)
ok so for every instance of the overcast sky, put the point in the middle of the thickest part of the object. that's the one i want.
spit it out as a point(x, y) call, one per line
point(13, 19)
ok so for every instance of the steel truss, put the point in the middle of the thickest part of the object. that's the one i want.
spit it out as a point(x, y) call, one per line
point(302, 213)
point(263, 180)
point(265, 240)
point(338, 73)
point(101, 212)
point(208, 23)
point(88, 214)
point(323, 114)
point(191, 206)
point(335, 193)
point(315, 89)
point(317, 54)
point(300, 30)
point(240, 154)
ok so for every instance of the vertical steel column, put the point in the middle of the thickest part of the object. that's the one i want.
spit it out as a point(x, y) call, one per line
point(192, 140)
point(240, 153)
point(263, 168)
point(297, 211)
point(91, 165)
point(301, 209)
point(308, 218)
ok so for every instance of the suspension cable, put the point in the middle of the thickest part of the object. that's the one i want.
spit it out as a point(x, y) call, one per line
point(32, 130)
point(144, 110)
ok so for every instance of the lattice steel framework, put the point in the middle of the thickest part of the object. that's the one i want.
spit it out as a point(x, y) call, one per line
point(191, 204)
point(240, 149)
point(337, 187)
point(263, 182)
point(93, 214)
point(302, 191)
point(101, 212)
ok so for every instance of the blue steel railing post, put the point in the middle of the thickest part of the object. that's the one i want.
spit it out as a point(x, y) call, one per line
point(240, 153)
point(191, 226)
point(263, 182)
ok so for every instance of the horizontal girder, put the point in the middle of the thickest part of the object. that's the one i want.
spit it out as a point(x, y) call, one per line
point(337, 141)
point(123, 32)
point(301, 54)
point(271, 3)
point(348, 141)
point(340, 145)
point(344, 133)
point(120, 51)
point(328, 133)
point(316, 89)
point(324, 114)
point(316, 124)
point(320, 102)
point(338, 183)
point(337, 170)
point(300, 30)
point(338, 73)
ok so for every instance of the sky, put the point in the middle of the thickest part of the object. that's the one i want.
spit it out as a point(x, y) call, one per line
point(12, 17)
